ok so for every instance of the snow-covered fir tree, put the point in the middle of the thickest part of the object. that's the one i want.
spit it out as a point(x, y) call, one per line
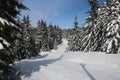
point(88, 42)
point(57, 34)
point(25, 46)
point(51, 35)
point(75, 37)
point(42, 36)
point(9, 9)
point(112, 44)
point(54, 36)
point(102, 27)
point(32, 46)
point(38, 37)
point(100, 30)
point(76, 23)
point(25, 37)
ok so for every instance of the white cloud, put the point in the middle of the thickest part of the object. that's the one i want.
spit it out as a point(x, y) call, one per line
point(56, 14)
point(37, 14)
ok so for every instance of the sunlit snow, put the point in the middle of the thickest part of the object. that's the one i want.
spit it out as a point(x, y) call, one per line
point(64, 65)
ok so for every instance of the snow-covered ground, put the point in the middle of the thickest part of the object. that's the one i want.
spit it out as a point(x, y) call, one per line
point(63, 65)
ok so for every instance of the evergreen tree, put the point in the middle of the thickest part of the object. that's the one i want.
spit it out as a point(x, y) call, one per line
point(33, 48)
point(51, 35)
point(25, 45)
point(75, 23)
point(87, 43)
point(75, 37)
point(25, 37)
point(9, 9)
point(102, 21)
point(74, 41)
point(113, 29)
point(38, 37)
point(42, 38)
point(54, 36)
point(58, 34)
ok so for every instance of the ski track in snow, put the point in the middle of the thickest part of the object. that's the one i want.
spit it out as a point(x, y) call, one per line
point(63, 65)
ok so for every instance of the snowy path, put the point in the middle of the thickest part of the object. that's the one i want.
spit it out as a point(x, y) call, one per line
point(61, 65)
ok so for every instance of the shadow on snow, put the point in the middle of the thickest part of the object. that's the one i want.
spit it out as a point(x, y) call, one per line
point(28, 67)
point(87, 72)
point(39, 57)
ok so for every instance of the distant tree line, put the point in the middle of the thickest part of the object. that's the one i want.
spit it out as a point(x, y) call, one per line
point(34, 40)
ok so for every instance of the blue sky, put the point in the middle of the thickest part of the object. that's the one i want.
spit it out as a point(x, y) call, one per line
point(59, 12)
